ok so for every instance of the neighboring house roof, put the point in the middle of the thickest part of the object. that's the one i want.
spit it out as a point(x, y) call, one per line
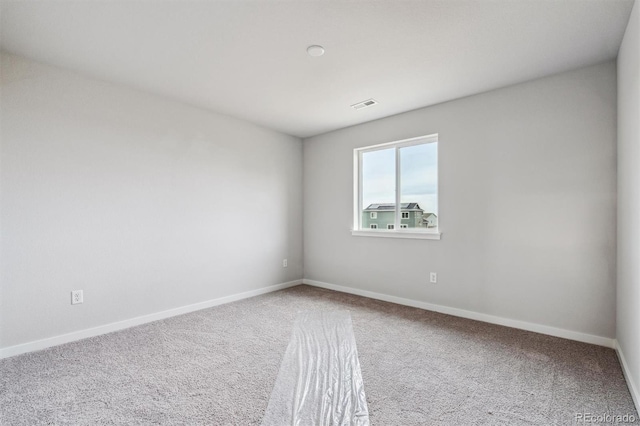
point(427, 216)
point(392, 207)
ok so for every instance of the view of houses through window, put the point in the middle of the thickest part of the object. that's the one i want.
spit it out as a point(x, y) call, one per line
point(403, 174)
point(383, 216)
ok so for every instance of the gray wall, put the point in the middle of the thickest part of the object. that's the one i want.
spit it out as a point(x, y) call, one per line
point(144, 203)
point(527, 205)
point(628, 309)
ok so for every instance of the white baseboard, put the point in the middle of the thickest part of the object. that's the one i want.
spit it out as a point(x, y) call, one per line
point(542, 329)
point(633, 387)
point(120, 325)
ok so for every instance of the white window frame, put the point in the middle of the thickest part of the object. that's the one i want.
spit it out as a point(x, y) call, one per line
point(404, 226)
point(404, 213)
point(373, 226)
point(398, 232)
point(391, 226)
point(373, 215)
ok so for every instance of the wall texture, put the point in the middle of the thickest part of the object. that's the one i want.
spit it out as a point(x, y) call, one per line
point(628, 309)
point(144, 203)
point(527, 205)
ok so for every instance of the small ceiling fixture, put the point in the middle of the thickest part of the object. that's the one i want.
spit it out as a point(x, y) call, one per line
point(365, 104)
point(315, 50)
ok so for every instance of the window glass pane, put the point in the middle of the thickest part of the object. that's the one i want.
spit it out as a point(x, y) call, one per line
point(419, 186)
point(378, 188)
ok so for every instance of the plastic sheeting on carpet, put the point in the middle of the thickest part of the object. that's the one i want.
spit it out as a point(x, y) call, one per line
point(319, 382)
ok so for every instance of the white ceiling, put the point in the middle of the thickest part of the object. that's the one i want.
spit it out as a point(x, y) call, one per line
point(248, 58)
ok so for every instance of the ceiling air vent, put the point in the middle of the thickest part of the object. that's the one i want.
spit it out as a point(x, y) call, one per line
point(364, 104)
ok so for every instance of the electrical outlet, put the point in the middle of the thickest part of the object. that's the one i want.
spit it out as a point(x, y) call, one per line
point(284, 263)
point(76, 297)
point(433, 277)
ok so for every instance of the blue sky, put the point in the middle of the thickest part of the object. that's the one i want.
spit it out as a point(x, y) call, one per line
point(418, 176)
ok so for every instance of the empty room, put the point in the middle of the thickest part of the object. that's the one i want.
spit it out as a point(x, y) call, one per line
point(322, 212)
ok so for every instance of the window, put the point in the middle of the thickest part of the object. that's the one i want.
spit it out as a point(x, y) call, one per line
point(399, 180)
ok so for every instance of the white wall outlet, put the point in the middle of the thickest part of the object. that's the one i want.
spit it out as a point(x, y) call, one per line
point(76, 297)
point(284, 263)
point(433, 277)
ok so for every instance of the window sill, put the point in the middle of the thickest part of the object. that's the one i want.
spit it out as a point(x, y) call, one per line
point(435, 235)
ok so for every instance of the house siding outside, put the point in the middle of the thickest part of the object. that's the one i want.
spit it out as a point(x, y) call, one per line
point(384, 215)
point(430, 220)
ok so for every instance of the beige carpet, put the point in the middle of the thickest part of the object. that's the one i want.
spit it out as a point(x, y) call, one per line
point(218, 367)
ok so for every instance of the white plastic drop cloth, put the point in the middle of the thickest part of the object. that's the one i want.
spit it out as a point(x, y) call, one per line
point(319, 382)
